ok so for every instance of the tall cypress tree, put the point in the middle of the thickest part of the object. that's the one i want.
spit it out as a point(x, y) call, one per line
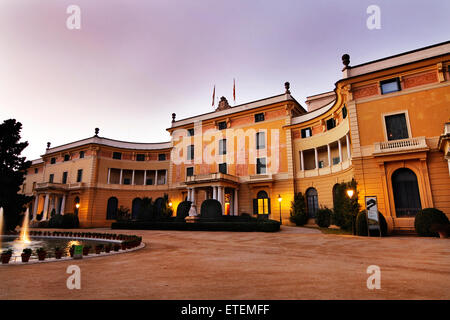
point(13, 169)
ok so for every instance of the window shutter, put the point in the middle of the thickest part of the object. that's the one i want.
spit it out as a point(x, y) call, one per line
point(269, 211)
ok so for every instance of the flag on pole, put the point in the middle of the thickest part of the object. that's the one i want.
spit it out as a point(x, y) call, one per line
point(214, 94)
point(234, 90)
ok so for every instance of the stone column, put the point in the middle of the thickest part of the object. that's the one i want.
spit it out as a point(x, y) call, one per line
point(347, 143)
point(340, 150)
point(132, 179)
point(57, 205)
point(193, 195)
point(45, 212)
point(156, 177)
point(214, 193)
point(121, 174)
point(36, 205)
point(145, 177)
point(63, 204)
point(329, 155)
point(235, 202)
point(316, 158)
point(109, 174)
point(302, 161)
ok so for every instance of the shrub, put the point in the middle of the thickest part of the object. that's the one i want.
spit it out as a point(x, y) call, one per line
point(345, 209)
point(43, 224)
point(183, 210)
point(211, 208)
point(162, 209)
point(146, 210)
point(361, 225)
point(55, 221)
point(123, 213)
point(298, 213)
point(426, 218)
point(70, 221)
point(323, 217)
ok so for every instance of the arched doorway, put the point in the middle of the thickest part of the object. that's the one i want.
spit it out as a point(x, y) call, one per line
point(261, 205)
point(135, 208)
point(312, 202)
point(111, 211)
point(406, 193)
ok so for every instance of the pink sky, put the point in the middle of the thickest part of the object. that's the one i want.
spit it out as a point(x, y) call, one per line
point(134, 62)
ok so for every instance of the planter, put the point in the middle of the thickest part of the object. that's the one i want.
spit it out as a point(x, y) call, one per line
point(86, 251)
point(42, 255)
point(6, 258)
point(58, 254)
point(25, 257)
point(107, 249)
point(116, 247)
point(98, 250)
point(124, 246)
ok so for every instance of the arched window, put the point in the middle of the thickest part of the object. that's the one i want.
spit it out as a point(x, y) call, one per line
point(76, 205)
point(406, 193)
point(312, 202)
point(261, 205)
point(111, 211)
point(136, 207)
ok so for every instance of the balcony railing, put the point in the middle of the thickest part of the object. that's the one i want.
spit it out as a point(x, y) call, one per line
point(211, 177)
point(58, 186)
point(403, 145)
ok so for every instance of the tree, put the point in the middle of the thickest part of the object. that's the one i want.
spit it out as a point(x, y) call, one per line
point(345, 209)
point(13, 170)
point(299, 215)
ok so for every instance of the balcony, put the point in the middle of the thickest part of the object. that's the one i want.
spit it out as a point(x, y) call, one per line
point(45, 186)
point(400, 146)
point(202, 178)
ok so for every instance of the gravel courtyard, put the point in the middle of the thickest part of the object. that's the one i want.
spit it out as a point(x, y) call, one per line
point(296, 263)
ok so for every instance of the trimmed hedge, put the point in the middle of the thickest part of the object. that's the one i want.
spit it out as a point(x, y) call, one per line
point(323, 217)
point(70, 221)
point(55, 221)
point(211, 208)
point(361, 225)
point(183, 210)
point(239, 226)
point(428, 217)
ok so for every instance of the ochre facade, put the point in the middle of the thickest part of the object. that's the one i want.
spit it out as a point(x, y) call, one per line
point(386, 125)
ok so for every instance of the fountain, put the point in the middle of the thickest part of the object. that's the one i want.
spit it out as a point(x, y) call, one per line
point(24, 230)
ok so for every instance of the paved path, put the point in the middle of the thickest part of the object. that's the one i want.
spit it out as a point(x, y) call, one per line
point(292, 264)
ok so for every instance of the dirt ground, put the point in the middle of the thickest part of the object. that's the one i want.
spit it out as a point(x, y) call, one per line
point(296, 263)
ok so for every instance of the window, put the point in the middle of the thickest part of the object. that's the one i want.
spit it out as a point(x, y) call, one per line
point(260, 140)
point(344, 112)
point(406, 193)
point(190, 152)
point(81, 154)
point(191, 132)
point(52, 160)
point(336, 160)
point(162, 157)
point(321, 164)
point(111, 211)
point(64, 177)
point(140, 157)
point(36, 170)
point(117, 155)
point(331, 123)
point(306, 132)
point(66, 157)
point(51, 177)
point(126, 181)
point(261, 205)
point(261, 165)
point(312, 202)
point(391, 85)
point(34, 185)
point(79, 175)
point(259, 117)
point(190, 171)
point(396, 127)
point(222, 125)
point(223, 168)
point(223, 146)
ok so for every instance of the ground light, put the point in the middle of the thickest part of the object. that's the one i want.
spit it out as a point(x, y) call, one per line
point(279, 201)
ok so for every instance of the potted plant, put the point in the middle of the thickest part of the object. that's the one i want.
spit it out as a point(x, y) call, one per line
point(124, 245)
point(26, 254)
point(86, 250)
point(98, 248)
point(6, 255)
point(58, 253)
point(41, 254)
point(108, 248)
point(72, 250)
point(116, 247)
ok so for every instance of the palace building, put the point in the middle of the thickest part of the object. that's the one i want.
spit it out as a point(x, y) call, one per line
point(386, 124)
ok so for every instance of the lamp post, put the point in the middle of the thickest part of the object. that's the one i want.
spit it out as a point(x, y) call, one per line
point(279, 201)
point(350, 193)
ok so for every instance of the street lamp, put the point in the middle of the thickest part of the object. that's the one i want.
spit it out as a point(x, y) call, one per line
point(279, 201)
point(350, 193)
point(170, 204)
point(77, 206)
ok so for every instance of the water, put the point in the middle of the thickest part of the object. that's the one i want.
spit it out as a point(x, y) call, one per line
point(49, 244)
point(24, 230)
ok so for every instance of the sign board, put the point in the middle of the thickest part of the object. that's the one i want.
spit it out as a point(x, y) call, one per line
point(373, 219)
point(78, 252)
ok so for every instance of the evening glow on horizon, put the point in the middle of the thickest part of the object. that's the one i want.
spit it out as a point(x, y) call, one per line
point(132, 63)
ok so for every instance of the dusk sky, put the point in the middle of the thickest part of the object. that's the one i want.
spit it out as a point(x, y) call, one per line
point(133, 62)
